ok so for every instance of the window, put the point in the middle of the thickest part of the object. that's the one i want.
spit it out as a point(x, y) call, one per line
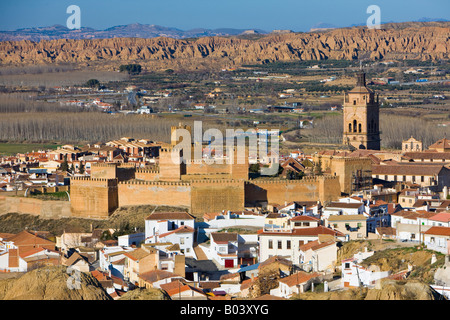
point(270, 244)
point(359, 128)
point(288, 244)
point(347, 265)
point(349, 127)
point(181, 240)
point(306, 224)
point(422, 179)
point(280, 245)
point(300, 242)
point(335, 225)
point(354, 125)
point(182, 223)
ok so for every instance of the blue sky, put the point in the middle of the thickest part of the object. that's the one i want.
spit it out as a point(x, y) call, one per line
point(296, 15)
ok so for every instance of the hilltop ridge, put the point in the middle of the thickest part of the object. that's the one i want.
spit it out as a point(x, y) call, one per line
point(422, 42)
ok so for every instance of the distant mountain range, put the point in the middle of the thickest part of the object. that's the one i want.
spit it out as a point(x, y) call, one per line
point(147, 31)
point(135, 30)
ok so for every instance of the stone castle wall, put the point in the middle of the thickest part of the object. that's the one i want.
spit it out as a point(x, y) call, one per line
point(136, 192)
point(324, 188)
point(93, 197)
point(38, 207)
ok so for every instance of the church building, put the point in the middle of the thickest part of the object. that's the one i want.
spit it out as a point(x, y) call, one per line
point(361, 117)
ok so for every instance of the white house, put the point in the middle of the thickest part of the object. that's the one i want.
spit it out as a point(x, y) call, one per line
point(12, 260)
point(175, 227)
point(183, 236)
point(295, 283)
point(112, 259)
point(224, 248)
point(355, 275)
point(287, 242)
point(441, 219)
point(128, 240)
point(438, 239)
point(343, 208)
point(162, 222)
point(318, 255)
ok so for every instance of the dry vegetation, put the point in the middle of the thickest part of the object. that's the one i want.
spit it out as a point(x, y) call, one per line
point(78, 127)
point(394, 129)
point(54, 75)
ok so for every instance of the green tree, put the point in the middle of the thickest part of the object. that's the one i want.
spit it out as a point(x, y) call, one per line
point(65, 164)
point(318, 168)
point(131, 68)
point(93, 83)
point(81, 168)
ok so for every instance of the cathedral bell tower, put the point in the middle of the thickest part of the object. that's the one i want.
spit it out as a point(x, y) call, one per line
point(361, 116)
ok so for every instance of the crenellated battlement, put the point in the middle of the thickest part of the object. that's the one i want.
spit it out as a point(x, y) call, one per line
point(156, 170)
point(306, 179)
point(86, 181)
point(156, 183)
point(104, 165)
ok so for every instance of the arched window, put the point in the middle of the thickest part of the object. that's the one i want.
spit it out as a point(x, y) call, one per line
point(354, 125)
point(359, 128)
point(354, 102)
point(349, 127)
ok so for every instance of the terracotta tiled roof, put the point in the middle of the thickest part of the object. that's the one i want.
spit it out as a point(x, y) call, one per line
point(74, 258)
point(316, 245)
point(428, 155)
point(408, 169)
point(224, 237)
point(347, 217)
point(13, 259)
point(299, 278)
point(304, 218)
point(275, 259)
point(305, 232)
point(182, 229)
point(25, 240)
point(136, 254)
point(442, 217)
point(156, 275)
point(443, 143)
point(441, 231)
point(389, 231)
point(344, 205)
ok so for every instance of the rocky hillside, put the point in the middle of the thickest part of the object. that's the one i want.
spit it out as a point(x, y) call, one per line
point(421, 42)
point(389, 290)
point(50, 283)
